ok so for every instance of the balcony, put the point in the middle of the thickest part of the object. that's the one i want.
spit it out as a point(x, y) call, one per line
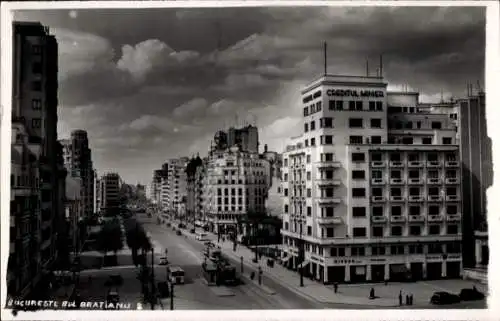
point(433, 181)
point(435, 218)
point(328, 182)
point(452, 198)
point(434, 198)
point(416, 198)
point(415, 164)
point(453, 218)
point(451, 164)
point(330, 220)
point(378, 181)
point(378, 199)
point(329, 200)
point(379, 219)
point(397, 198)
point(417, 218)
point(397, 181)
point(434, 164)
point(415, 181)
point(396, 164)
point(329, 164)
point(378, 164)
point(451, 180)
point(398, 219)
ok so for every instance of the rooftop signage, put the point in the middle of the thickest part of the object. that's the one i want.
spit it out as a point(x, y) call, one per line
point(354, 93)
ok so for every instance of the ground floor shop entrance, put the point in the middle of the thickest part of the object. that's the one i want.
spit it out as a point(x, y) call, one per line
point(336, 274)
point(434, 270)
point(358, 273)
point(453, 269)
point(417, 270)
point(378, 272)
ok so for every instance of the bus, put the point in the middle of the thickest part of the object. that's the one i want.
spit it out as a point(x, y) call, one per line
point(175, 274)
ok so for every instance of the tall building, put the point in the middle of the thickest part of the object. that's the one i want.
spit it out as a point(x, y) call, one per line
point(235, 183)
point(74, 212)
point(274, 201)
point(247, 138)
point(177, 186)
point(371, 187)
point(155, 189)
point(82, 166)
point(36, 178)
point(477, 174)
point(110, 193)
point(193, 190)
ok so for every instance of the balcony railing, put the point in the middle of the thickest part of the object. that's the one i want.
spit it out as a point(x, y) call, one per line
point(451, 198)
point(451, 164)
point(435, 218)
point(417, 218)
point(433, 180)
point(416, 198)
point(378, 164)
point(379, 219)
point(415, 164)
point(434, 198)
point(398, 219)
point(377, 199)
point(330, 220)
point(434, 164)
point(397, 198)
point(397, 181)
point(396, 164)
point(328, 182)
point(329, 200)
point(453, 218)
point(451, 180)
point(415, 181)
point(329, 164)
point(378, 181)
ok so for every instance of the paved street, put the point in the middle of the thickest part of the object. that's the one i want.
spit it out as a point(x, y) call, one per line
point(187, 253)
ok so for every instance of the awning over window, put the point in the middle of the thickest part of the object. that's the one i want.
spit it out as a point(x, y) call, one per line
point(398, 268)
point(303, 264)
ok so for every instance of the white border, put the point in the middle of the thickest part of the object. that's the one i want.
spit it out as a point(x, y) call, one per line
point(492, 71)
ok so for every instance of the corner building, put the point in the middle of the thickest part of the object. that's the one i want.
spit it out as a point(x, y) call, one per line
point(371, 187)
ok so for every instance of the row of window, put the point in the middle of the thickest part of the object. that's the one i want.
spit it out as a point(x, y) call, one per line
point(240, 191)
point(412, 173)
point(233, 173)
point(397, 157)
point(238, 182)
point(327, 122)
point(408, 140)
point(355, 105)
point(454, 247)
point(397, 124)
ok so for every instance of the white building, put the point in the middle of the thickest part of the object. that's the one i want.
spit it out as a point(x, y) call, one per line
point(176, 186)
point(371, 194)
point(235, 182)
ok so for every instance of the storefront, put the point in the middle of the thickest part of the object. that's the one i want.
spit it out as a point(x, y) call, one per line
point(399, 272)
point(358, 273)
point(434, 270)
point(417, 270)
point(336, 274)
point(378, 272)
point(453, 269)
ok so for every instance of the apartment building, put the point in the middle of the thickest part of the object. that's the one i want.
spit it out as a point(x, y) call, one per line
point(36, 170)
point(194, 192)
point(371, 187)
point(176, 191)
point(110, 193)
point(247, 138)
point(82, 166)
point(235, 183)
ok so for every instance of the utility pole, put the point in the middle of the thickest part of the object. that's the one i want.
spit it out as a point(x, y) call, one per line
point(171, 295)
point(153, 288)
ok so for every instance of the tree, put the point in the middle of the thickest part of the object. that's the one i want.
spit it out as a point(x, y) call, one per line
point(109, 238)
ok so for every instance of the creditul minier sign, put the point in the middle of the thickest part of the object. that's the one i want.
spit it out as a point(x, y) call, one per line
point(354, 93)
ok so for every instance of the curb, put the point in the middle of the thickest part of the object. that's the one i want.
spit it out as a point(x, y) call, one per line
point(263, 287)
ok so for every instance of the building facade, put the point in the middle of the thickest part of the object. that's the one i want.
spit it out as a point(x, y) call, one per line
point(193, 189)
point(74, 212)
point(246, 138)
point(110, 193)
point(36, 171)
point(176, 187)
point(235, 183)
point(371, 188)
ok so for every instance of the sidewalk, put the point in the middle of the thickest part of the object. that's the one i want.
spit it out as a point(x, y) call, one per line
point(289, 279)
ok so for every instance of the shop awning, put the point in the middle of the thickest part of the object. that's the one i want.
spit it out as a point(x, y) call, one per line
point(398, 268)
point(303, 264)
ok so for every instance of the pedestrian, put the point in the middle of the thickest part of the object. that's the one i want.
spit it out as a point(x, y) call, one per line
point(411, 299)
point(372, 293)
point(407, 299)
point(335, 287)
point(400, 298)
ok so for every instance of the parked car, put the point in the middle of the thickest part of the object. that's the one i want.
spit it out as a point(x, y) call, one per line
point(444, 298)
point(163, 261)
point(471, 295)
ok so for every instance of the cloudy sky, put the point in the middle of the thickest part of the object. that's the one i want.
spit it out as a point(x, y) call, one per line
point(153, 84)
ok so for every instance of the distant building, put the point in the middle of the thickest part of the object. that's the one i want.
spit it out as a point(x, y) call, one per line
point(74, 211)
point(110, 193)
point(274, 201)
point(246, 138)
point(176, 192)
point(194, 192)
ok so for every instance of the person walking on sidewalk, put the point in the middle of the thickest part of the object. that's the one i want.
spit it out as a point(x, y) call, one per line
point(335, 287)
point(411, 299)
point(400, 297)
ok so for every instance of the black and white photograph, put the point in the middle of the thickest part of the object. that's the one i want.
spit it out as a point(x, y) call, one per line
point(184, 157)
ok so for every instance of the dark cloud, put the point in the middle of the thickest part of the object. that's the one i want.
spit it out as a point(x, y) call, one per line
point(149, 84)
